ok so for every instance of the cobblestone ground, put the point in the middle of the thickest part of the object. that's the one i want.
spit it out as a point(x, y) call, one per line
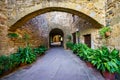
point(56, 64)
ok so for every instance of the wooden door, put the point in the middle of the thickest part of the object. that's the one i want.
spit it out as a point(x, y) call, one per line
point(74, 37)
point(87, 40)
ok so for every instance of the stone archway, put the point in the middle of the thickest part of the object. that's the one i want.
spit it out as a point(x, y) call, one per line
point(24, 19)
point(17, 9)
point(56, 38)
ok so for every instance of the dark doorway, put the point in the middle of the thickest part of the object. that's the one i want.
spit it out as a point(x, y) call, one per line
point(56, 38)
point(87, 40)
point(74, 37)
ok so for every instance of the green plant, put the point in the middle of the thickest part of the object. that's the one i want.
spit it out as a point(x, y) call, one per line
point(5, 64)
point(106, 60)
point(83, 51)
point(77, 47)
point(15, 59)
point(13, 35)
point(103, 58)
point(40, 50)
point(26, 55)
point(69, 45)
point(103, 31)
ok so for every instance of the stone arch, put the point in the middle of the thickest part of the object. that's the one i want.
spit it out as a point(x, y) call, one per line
point(24, 19)
point(56, 32)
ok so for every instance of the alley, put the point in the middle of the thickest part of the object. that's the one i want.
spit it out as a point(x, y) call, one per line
point(56, 64)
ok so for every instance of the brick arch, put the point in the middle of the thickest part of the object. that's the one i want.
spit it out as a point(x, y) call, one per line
point(29, 16)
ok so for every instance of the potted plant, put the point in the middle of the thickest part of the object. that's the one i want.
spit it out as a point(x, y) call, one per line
point(107, 61)
point(105, 32)
point(69, 45)
point(40, 50)
point(84, 52)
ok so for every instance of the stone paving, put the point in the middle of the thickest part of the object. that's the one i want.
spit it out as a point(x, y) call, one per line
point(56, 64)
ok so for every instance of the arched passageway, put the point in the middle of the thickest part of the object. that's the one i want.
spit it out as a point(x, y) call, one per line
point(29, 16)
point(56, 37)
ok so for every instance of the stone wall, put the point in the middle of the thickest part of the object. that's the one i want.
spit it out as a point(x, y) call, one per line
point(37, 31)
point(3, 28)
point(95, 43)
point(113, 19)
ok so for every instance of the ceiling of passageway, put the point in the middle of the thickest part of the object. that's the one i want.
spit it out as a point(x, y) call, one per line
point(52, 20)
point(49, 21)
point(43, 24)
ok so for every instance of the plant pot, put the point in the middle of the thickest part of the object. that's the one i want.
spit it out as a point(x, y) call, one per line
point(22, 64)
point(108, 75)
point(107, 34)
point(89, 64)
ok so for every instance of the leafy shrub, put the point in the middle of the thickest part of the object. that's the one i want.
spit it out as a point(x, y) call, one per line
point(26, 54)
point(15, 59)
point(23, 55)
point(40, 50)
point(69, 45)
point(106, 60)
point(83, 51)
point(5, 63)
point(78, 47)
point(103, 58)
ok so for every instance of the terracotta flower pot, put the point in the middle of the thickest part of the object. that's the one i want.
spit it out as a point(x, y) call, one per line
point(108, 75)
point(89, 64)
point(22, 64)
point(107, 34)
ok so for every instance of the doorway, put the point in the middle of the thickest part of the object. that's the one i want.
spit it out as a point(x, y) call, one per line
point(87, 40)
point(56, 38)
point(74, 37)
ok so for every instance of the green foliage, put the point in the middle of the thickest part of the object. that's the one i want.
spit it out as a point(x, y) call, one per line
point(103, 58)
point(5, 63)
point(13, 35)
point(77, 47)
point(106, 60)
point(26, 55)
point(83, 51)
point(69, 45)
point(15, 59)
point(104, 30)
point(40, 50)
